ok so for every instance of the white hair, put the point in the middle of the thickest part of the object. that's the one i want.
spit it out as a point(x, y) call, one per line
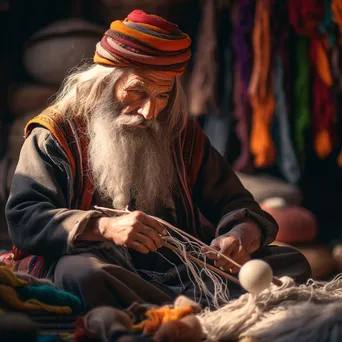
point(84, 87)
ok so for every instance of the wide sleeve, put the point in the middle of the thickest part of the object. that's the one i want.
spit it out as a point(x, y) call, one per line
point(224, 201)
point(38, 212)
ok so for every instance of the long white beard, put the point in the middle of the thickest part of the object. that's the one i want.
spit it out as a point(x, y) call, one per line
point(131, 163)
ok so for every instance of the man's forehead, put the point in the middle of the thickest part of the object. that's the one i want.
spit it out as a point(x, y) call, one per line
point(145, 78)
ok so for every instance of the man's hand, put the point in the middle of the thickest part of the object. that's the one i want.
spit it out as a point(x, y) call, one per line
point(237, 244)
point(135, 230)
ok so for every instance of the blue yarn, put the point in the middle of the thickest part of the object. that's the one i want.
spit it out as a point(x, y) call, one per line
point(49, 295)
point(327, 26)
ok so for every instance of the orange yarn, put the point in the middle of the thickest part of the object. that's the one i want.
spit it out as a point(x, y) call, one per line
point(323, 104)
point(157, 317)
point(323, 66)
point(261, 88)
point(323, 144)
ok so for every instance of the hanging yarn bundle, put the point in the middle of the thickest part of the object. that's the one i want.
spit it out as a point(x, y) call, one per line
point(323, 109)
point(261, 88)
point(243, 19)
point(323, 105)
point(278, 313)
point(313, 19)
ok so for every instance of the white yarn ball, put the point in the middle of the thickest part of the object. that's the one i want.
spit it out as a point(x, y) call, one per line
point(255, 276)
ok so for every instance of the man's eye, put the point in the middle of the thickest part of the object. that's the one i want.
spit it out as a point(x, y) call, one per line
point(163, 96)
point(135, 91)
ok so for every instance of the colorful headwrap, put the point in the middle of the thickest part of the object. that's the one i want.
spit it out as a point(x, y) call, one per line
point(147, 41)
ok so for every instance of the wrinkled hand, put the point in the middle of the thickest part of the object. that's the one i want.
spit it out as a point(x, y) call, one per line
point(135, 230)
point(237, 244)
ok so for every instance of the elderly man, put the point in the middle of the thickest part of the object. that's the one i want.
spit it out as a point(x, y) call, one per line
point(118, 136)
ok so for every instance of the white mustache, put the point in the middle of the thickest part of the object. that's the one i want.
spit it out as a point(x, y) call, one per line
point(132, 120)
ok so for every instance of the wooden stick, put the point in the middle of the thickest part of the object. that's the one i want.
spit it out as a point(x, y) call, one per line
point(275, 280)
point(200, 262)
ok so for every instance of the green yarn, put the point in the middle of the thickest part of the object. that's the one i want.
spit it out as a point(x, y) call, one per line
point(301, 95)
point(49, 295)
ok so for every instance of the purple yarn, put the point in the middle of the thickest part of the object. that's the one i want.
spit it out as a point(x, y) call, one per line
point(243, 22)
point(242, 29)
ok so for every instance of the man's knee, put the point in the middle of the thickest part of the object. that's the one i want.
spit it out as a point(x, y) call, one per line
point(74, 272)
point(286, 261)
point(297, 258)
point(94, 281)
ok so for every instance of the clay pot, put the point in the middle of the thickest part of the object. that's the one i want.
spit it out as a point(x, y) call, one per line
point(296, 224)
point(59, 47)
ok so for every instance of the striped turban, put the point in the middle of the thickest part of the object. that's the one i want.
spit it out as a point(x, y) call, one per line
point(145, 41)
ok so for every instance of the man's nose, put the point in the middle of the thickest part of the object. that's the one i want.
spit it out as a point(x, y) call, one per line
point(147, 109)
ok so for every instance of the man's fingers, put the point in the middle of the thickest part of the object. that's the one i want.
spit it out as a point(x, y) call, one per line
point(230, 246)
point(234, 269)
point(228, 249)
point(146, 241)
point(139, 247)
point(243, 257)
point(215, 244)
point(240, 256)
point(151, 222)
point(152, 234)
point(209, 253)
point(223, 265)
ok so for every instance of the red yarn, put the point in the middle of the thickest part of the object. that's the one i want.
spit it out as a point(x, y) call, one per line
point(323, 116)
point(305, 15)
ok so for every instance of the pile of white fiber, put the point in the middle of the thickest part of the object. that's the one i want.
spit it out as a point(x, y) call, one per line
point(310, 312)
point(305, 322)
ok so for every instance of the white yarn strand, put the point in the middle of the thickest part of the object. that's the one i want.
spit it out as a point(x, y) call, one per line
point(220, 295)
